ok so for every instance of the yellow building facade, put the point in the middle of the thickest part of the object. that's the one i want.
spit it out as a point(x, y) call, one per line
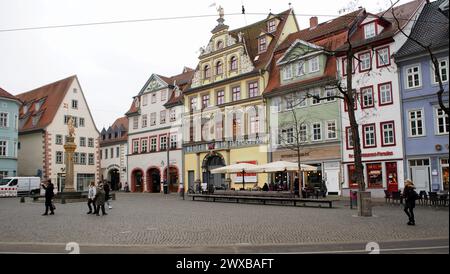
point(224, 119)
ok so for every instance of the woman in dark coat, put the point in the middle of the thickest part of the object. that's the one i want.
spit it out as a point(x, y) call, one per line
point(48, 197)
point(100, 200)
point(410, 196)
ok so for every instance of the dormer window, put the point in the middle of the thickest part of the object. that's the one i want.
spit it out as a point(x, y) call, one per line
point(370, 30)
point(37, 105)
point(271, 26)
point(262, 44)
point(25, 109)
point(207, 72)
point(136, 102)
point(219, 45)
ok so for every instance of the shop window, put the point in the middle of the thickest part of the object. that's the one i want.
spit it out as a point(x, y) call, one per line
point(352, 177)
point(374, 175)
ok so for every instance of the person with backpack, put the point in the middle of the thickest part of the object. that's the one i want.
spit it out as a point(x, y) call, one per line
point(49, 194)
point(410, 196)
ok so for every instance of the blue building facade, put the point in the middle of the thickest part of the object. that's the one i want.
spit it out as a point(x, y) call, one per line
point(9, 117)
point(425, 124)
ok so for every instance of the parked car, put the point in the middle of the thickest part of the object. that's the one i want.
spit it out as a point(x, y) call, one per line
point(24, 185)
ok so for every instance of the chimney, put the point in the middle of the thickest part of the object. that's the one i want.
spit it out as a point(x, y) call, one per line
point(313, 22)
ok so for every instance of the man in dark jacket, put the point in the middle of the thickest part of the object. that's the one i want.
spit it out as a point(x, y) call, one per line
point(410, 196)
point(48, 197)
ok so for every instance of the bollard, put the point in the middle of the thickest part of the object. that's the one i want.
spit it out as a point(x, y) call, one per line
point(22, 199)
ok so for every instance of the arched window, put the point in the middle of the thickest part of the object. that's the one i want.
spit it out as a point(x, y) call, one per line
point(233, 63)
point(219, 68)
point(207, 72)
point(219, 45)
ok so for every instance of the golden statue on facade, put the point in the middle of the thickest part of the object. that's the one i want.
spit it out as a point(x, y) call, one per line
point(71, 127)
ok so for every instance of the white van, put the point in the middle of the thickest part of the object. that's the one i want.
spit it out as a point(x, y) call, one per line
point(24, 185)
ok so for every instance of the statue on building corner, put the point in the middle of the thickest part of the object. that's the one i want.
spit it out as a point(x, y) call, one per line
point(221, 11)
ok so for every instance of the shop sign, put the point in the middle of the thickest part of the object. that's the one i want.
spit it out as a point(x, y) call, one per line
point(249, 177)
point(374, 154)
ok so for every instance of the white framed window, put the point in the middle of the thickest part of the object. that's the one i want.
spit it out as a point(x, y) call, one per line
point(153, 119)
point(314, 65)
point(369, 135)
point(303, 133)
point(3, 148)
point(289, 102)
point(331, 130)
point(413, 77)
point(383, 58)
point(388, 133)
point(416, 123)
point(144, 144)
point(330, 93)
point(271, 26)
point(385, 94)
point(287, 72)
point(163, 142)
point(365, 61)
point(74, 104)
point(82, 158)
point(367, 97)
point(90, 142)
point(162, 117)
point(91, 159)
point(349, 138)
point(144, 99)
point(81, 122)
point(369, 30)
point(135, 122)
point(254, 124)
point(58, 139)
point(135, 147)
point(153, 97)
point(173, 141)
point(262, 44)
point(4, 119)
point(76, 158)
point(173, 115)
point(316, 93)
point(316, 131)
point(82, 141)
point(442, 122)
point(276, 105)
point(193, 102)
point(144, 121)
point(153, 144)
point(443, 70)
point(163, 95)
point(289, 135)
point(300, 68)
point(301, 100)
point(59, 157)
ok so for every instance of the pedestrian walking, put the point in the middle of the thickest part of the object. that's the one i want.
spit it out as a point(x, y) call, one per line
point(107, 188)
point(100, 200)
point(49, 194)
point(410, 196)
point(91, 197)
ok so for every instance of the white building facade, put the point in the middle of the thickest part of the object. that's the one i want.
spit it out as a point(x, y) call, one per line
point(43, 130)
point(378, 102)
point(154, 134)
point(113, 153)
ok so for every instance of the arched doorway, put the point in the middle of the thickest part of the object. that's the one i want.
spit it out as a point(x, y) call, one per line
point(137, 180)
point(173, 176)
point(153, 180)
point(114, 178)
point(210, 162)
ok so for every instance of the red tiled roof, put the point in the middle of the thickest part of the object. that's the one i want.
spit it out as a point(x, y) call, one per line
point(7, 95)
point(51, 95)
point(403, 13)
point(325, 29)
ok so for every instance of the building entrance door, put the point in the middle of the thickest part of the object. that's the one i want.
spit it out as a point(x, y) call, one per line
point(420, 177)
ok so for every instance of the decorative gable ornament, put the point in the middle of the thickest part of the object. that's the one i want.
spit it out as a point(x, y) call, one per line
point(153, 85)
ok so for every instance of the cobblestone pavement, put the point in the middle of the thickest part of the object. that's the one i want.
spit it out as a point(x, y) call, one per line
point(167, 220)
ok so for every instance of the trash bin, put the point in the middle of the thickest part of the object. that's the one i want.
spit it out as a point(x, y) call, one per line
point(165, 189)
point(353, 199)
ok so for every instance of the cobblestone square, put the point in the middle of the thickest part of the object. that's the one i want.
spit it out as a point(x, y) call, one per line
point(166, 221)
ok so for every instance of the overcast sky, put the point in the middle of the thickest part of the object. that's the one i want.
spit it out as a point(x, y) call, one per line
point(114, 61)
